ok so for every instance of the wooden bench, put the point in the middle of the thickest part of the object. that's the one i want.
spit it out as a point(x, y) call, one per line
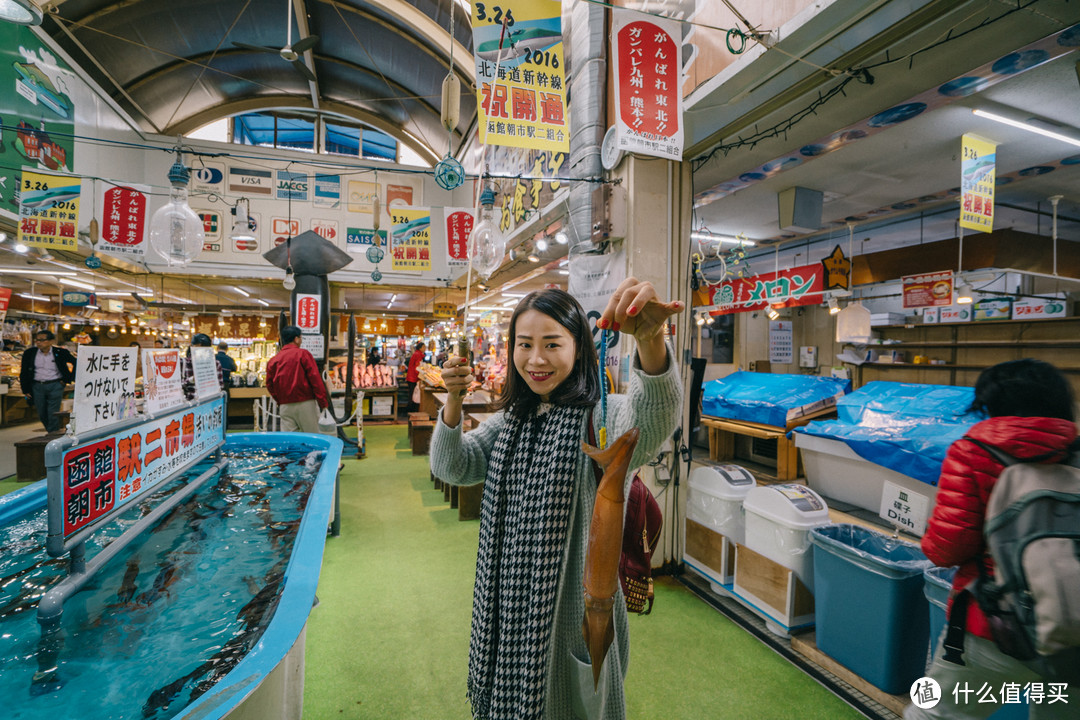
point(415, 417)
point(420, 436)
point(30, 458)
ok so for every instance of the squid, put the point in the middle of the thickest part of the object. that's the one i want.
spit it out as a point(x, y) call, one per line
point(601, 577)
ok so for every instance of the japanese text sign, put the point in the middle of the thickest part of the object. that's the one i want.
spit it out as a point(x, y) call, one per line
point(5, 298)
point(106, 474)
point(162, 386)
point(928, 289)
point(1036, 308)
point(525, 105)
point(309, 313)
point(787, 288)
point(459, 225)
point(204, 370)
point(49, 210)
point(410, 238)
point(123, 219)
point(904, 508)
point(104, 386)
point(977, 180)
point(648, 85)
point(358, 240)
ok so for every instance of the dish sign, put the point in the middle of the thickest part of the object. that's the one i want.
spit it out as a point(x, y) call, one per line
point(928, 289)
point(162, 387)
point(104, 475)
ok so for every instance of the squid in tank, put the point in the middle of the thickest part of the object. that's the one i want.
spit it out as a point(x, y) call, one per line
point(601, 577)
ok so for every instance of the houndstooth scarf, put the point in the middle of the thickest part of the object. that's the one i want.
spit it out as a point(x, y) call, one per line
point(523, 528)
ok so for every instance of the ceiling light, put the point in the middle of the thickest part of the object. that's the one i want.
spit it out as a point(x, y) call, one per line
point(393, 297)
point(1025, 126)
point(834, 306)
point(243, 292)
point(30, 296)
point(20, 12)
point(76, 283)
point(562, 238)
point(389, 304)
point(773, 313)
point(67, 326)
point(709, 319)
point(709, 237)
point(564, 272)
point(123, 330)
point(700, 319)
point(533, 258)
point(241, 229)
point(541, 244)
point(23, 271)
point(20, 248)
point(964, 294)
point(263, 302)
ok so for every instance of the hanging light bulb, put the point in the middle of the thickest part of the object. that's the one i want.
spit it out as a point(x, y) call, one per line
point(176, 232)
point(487, 245)
point(289, 283)
point(241, 230)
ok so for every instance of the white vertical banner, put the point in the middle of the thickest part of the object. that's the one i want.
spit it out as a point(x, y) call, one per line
point(593, 280)
point(204, 369)
point(104, 386)
point(162, 386)
point(648, 84)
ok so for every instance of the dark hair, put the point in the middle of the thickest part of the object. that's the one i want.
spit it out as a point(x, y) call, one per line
point(419, 345)
point(47, 333)
point(1024, 388)
point(223, 345)
point(289, 333)
point(582, 386)
point(200, 340)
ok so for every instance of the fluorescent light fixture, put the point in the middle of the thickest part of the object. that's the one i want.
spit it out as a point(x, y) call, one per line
point(709, 237)
point(20, 12)
point(1026, 126)
point(964, 294)
point(486, 307)
point(263, 302)
point(28, 296)
point(111, 293)
point(23, 271)
point(389, 304)
point(513, 295)
point(92, 307)
point(393, 297)
point(243, 292)
point(564, 272)
point(76, 283)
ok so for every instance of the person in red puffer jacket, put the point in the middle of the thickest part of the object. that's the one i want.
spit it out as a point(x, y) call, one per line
point(1031, 414)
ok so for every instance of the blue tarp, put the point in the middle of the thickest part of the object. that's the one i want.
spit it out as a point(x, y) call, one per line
point(906, 427)
point(766, 398)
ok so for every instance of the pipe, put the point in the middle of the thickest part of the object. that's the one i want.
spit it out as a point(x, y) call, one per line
point(587, 122)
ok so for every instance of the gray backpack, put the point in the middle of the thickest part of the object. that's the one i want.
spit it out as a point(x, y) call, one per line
point(1032, 532)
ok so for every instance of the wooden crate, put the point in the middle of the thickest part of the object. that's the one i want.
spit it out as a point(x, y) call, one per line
point(709, 553)
point(722, 434)
point(773, 591)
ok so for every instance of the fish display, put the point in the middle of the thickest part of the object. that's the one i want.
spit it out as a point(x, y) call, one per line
point(601, 577)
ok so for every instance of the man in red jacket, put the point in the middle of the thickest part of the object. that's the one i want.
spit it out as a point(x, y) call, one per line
point(1030, 409)
point(412, 377)
point(293, 379)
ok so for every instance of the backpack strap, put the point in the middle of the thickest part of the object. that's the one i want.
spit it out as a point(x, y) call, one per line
point(1006, 459)
point(953, 645)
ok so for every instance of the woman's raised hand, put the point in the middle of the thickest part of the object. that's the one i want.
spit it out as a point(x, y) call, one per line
point(636, 309)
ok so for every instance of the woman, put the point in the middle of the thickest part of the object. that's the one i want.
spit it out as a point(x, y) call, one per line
point(527, 657)
point(1030, 409)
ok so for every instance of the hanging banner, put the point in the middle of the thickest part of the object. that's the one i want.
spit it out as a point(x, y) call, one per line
point(123, 221)
point(5, 299)
point(49, 210)
point(37, 114)
point(405, 327)
point(525, 105)
point(326, 192)
point(837, 270)
point(797, 286)
point(928, 289)
point(439, 309)
point(104, 387)
point(977, 180)
point(593, 280)
point(162, 387)
point(530, 193)
point(459, 224)
point(648, 85)
point(204, 370)
point(358, 240)
point(410, 238)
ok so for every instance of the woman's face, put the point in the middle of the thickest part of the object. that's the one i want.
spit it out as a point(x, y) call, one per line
point(544, 352)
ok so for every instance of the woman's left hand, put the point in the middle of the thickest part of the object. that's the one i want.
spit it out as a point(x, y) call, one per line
point(636, 309)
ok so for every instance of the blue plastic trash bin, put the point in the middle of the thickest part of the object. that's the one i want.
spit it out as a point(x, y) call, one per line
point(870, 609)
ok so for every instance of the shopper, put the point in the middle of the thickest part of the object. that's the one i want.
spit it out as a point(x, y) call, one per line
point(293, 379)
point(187, 374)
point(412, 377)
point(527, 657)
point(226, 363)
point(1030, 409)
point(44, 373)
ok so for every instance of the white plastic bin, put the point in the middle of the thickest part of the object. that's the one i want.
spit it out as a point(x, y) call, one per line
point(714, 520)
point(779, 519)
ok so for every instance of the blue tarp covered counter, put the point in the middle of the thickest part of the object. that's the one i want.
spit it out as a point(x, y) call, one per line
point(766, 406)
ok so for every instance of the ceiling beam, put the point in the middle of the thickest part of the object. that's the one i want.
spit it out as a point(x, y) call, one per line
point(309, 58)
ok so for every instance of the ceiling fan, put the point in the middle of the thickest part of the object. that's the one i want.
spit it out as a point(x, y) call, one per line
point(291, 52)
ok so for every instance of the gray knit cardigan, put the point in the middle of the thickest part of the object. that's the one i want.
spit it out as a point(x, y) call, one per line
point(652, 404)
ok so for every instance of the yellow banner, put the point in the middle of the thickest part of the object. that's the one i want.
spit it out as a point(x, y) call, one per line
point(977, 179)
point(49, 210)
point(525, 106)
point(445, 310)
point(410, 238)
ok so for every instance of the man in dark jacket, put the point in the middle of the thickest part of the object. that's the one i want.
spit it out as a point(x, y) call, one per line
point(44, 373)
point(293, 379)
point(226, 363)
